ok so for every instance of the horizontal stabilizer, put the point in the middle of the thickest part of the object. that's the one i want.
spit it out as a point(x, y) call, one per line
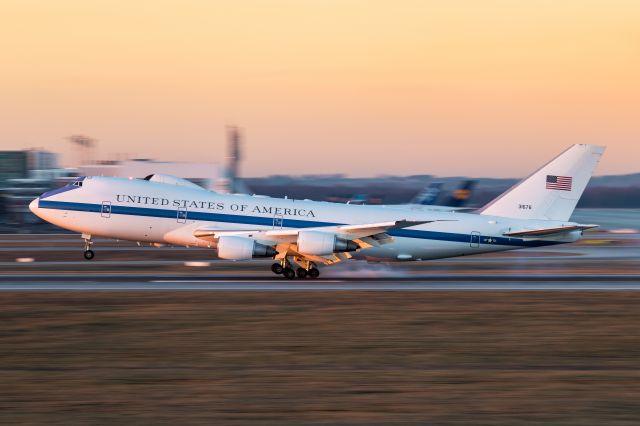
point(547, 232)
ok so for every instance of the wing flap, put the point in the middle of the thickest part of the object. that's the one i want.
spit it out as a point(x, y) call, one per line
point(547, 232)
point(370, 229)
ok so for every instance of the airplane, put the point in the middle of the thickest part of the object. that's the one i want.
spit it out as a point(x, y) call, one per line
point(301, 234)
point(460, 195)
point(427, 199)
point(429, 195)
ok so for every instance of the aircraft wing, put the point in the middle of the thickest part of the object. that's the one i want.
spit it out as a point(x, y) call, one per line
point(547, 232)
point(290, 235)
point(432, 208)
point(285, 240)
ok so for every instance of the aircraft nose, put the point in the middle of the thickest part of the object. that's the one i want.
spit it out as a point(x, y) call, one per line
point(33, 206)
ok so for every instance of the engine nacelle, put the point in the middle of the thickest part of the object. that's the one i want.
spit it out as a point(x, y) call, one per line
point(233, 247)
point(322, 243)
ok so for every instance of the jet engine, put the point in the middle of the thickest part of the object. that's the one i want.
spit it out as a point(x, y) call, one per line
point(242, 248)
point(322, 243)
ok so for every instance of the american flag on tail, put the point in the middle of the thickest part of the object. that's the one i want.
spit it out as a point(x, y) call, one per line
point(562, 183)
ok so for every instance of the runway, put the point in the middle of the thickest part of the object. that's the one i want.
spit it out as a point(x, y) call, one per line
point(601, 262)
point(555, 326)
point(241, 283)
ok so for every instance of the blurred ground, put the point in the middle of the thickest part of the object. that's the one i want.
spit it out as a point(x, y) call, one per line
point(323, 356)
point(311, 358)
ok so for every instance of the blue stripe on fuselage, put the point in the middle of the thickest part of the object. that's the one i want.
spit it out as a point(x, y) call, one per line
point(289, 223)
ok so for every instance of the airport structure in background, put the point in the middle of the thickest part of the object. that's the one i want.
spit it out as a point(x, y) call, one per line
point(212, 176)
point(25, 174)
point(25, 164)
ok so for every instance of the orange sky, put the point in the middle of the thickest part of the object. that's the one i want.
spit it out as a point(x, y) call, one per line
point(483, 88)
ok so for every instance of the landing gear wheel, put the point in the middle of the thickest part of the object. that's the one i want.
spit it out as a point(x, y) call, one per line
point(89, 254)
point(277, 268)
point(288, 273)
point(314, 273)
point(301, 273)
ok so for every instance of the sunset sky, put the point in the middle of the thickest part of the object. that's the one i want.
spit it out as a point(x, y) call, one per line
point(456, 87)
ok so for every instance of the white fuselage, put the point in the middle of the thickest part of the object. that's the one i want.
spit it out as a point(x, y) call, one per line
point(139, 210)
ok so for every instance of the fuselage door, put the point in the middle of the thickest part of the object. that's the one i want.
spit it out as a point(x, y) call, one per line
point(278, 221)
point(105, 210)
point(182, 215)
point(475, 239)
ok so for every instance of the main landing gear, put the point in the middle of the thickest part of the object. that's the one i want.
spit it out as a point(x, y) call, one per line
point(301, 273)
point(88, 253)
point(285, 268)
point(277, 268)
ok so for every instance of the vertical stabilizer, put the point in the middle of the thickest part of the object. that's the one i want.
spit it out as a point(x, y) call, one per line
point(428, 195)
point(552, 192)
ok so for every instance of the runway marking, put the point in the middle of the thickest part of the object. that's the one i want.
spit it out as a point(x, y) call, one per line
point(331, 278)
point(270, 286)
point(240, 281)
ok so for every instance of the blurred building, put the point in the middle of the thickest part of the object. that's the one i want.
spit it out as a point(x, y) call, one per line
point(41, 160)
point(230, 181)
point(24, 163)
point(16, 196)
point(24, 175)
point(13, 165)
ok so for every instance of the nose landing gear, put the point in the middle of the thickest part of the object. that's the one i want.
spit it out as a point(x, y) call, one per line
point(88, 253)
